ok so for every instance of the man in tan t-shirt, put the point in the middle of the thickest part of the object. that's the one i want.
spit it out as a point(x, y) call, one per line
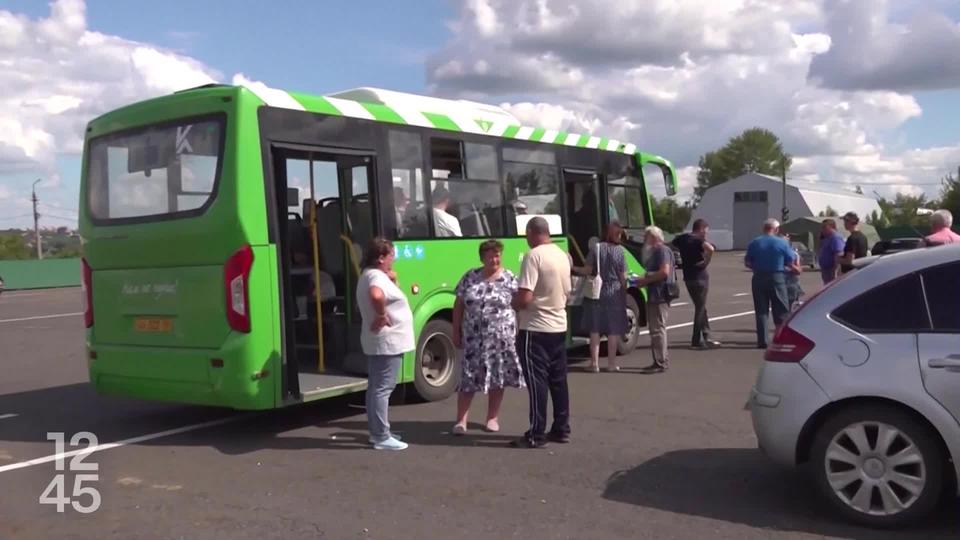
point(541, 304)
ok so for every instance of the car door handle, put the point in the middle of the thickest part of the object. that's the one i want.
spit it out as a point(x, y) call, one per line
point(950, 362)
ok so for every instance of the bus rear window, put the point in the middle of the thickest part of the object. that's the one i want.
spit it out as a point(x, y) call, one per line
point(158, 172)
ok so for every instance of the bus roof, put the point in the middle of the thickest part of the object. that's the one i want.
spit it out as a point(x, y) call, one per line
point(430, 112)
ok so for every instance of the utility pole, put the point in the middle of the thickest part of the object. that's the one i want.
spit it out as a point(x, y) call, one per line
point(36, 221)
point(784, 212)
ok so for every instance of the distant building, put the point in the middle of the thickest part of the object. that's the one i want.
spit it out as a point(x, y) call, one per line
point(737, 208)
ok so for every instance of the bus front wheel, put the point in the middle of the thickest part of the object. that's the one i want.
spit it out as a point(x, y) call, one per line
point(438, 368)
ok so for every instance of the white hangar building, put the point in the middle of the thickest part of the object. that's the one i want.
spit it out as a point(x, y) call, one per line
point(737, 208)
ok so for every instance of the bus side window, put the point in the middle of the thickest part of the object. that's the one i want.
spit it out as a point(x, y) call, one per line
point(465, 191)
point(532, 183)
point(407, 216)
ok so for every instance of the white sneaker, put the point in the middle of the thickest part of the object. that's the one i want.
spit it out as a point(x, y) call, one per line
point(390, 444)
point(392, 435)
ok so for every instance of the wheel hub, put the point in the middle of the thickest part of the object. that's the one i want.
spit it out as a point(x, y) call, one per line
point(874, 468)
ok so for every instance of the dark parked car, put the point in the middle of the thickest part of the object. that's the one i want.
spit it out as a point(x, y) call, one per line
point(896, 245)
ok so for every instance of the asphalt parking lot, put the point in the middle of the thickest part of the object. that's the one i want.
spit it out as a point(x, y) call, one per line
point(652, 456)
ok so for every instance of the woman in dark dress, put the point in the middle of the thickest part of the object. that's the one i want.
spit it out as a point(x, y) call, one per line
point(485, 329)
point(607, 315)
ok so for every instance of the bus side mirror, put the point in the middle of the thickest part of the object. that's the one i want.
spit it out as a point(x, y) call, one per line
point(293, 196)
point(669, 182)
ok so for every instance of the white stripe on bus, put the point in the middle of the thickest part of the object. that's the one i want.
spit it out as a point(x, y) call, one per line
point(350, 108)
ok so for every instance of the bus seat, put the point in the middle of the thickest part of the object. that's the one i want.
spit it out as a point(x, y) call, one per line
point(361, 220)
point(471, 222)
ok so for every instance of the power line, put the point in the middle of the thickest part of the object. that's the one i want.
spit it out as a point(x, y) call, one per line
point(60, 217)
point(15, 217)
point(57, 208)
point(855, 184)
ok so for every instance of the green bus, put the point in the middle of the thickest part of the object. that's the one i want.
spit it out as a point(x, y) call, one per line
point(222, 228)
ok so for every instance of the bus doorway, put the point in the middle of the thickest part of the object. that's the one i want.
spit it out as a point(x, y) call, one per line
point(582, 212)
point(329, 218)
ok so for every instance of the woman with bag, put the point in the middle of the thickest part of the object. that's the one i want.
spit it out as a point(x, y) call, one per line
point(662, 288)
point(604, 296)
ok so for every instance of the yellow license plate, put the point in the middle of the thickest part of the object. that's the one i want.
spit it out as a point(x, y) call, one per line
point(150, 324)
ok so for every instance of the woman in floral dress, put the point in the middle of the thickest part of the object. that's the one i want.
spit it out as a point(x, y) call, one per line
point(485, 329)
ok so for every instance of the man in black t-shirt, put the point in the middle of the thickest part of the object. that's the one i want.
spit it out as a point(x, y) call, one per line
point(696, 252)
point(856, 247)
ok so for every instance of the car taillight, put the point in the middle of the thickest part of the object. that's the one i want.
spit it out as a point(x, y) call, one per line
point(86, 284)
point(788, 346)
point(236, 281)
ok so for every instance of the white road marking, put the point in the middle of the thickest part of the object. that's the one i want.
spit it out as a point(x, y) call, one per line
point(742, 294)
point(678, 304)
point(118, 444)
point(19, 295)
point(8, 415)
point(57, 316)
point(712, 319)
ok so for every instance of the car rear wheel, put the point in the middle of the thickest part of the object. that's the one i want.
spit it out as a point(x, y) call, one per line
point(878, 466)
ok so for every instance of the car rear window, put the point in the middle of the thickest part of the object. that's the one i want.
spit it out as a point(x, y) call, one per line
point(892, 308)
point(157, 172)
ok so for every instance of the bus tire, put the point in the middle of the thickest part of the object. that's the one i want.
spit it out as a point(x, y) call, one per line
point(635, 319)
point(437, 371)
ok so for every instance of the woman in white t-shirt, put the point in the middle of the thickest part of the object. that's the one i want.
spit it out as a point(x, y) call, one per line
point(386, 334)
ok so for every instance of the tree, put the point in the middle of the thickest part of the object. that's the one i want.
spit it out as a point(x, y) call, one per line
point(950, 194)
point(828, 212)
point(670, 216)
point(13, 246)
point(902, 210)
point(755, 150)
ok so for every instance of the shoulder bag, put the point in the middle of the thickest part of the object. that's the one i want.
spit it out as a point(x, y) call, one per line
point(593, 284)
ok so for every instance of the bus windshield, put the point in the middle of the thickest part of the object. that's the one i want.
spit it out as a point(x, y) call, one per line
point(155, 172)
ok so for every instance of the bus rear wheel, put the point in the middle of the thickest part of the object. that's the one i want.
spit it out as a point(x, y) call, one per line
point(438, 369)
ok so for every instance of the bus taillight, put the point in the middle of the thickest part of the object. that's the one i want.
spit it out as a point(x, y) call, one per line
point(236, 280)
point(86, 284)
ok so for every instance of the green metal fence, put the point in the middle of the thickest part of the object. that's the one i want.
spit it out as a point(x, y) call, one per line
point(44, 274)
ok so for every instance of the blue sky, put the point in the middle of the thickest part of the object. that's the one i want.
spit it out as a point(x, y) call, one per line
point(308, 45)
point(506, 51)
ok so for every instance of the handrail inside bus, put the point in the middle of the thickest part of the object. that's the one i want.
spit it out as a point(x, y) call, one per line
point(573, 242)
point(353, 253)
point(316, 280)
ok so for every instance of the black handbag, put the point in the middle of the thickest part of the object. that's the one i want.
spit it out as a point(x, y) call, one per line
point(673, 285)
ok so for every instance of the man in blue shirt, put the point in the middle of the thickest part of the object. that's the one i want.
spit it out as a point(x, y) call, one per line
point(768, 256)
point(831, 250)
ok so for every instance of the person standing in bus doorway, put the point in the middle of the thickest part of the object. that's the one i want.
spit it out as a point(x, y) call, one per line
point(485, 330)
point(606, 315)
point(768, 256)
point(696, 254)
point(386, 335)
point(541, 304)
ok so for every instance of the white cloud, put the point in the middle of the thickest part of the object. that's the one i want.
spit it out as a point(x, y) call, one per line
point(57, 75)
point(680, 77)
point(871, 52)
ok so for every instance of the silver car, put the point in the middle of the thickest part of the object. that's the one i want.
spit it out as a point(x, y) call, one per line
point(862, 385)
